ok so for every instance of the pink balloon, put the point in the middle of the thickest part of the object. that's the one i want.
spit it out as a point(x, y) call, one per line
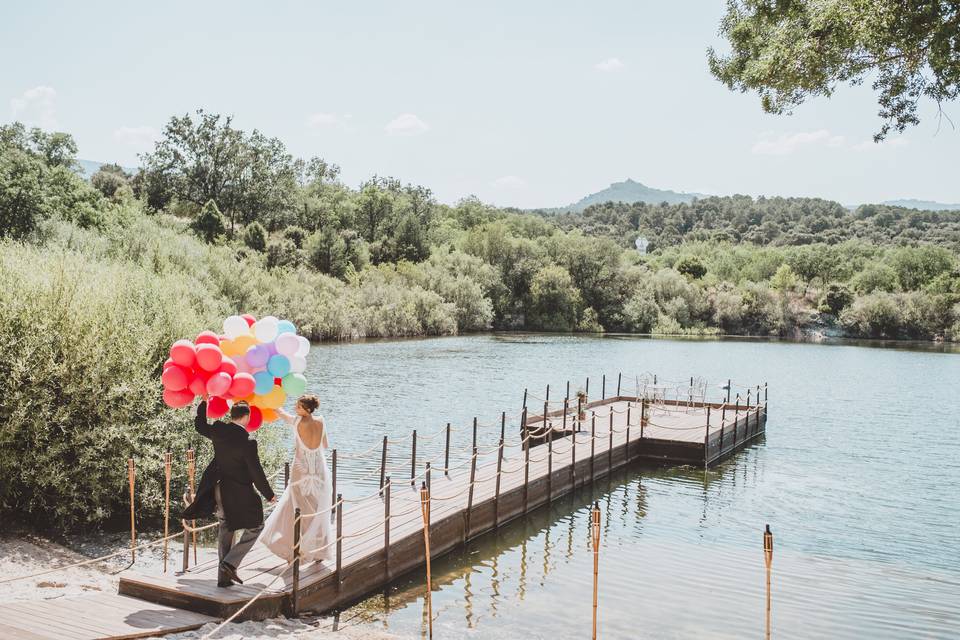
point(219, 383)
point(198, 385)
point(177, 399)
point(168, 363)
point(207, 337)
point(243, 385)
point(216, 407)
point(228, 366)
point(183, 353)
point(242, 366)
point(209, 357)
point(175, 378)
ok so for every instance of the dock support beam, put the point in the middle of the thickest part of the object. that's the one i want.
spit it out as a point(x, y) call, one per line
point(383, 464)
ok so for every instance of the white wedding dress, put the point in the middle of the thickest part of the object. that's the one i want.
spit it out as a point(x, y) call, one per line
point(309, 489)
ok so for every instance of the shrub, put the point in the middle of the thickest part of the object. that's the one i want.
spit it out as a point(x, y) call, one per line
point(876, 315)
point(691, 266)
point(640, 312)
point(255, 237)
point(876, 277)
point(784, 279)
point(836, 298)
point(555, 302)
point(282, 252)
point(210, 224)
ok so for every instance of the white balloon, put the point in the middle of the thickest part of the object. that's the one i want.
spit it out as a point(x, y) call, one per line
point(304, 348)
point(265, 329)
point(235, 326)
point(287, 344)
point(298, 364)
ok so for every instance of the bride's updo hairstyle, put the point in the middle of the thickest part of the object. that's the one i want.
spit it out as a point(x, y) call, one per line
point(309, 402)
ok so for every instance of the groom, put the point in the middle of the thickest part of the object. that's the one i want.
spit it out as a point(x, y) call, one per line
point(227, 486)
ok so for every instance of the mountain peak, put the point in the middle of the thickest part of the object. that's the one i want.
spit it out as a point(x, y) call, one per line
point(631, 191)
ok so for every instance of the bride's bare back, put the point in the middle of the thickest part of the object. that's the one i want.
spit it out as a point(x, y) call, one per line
point(312, 432)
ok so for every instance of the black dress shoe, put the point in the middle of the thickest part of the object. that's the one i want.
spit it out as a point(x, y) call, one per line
point(225, 583)
point(228, 570)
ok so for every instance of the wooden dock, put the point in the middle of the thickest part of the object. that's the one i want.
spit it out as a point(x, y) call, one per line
point(381, 536)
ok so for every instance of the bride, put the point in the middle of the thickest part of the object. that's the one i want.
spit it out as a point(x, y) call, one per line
point(309, 489)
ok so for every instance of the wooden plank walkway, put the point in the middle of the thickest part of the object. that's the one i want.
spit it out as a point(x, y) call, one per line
point(375, 549)
point(93, 617)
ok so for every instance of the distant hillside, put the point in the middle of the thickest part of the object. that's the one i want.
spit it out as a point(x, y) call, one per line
point(90, 167)
point(923, 205)
point(630, 191)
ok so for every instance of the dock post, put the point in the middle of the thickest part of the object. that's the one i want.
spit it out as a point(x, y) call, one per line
point(383, 464)
point(765, 390)
point(425, 511)
point(550, 466)
point(566, 407)
point(595, 535)
point(523, 429)
point(192, 476)
point(413, 459)
point(568, 391)
point(295, 594)
point(496, 491)
point(333, 477)
point(286, 474)
point(386, 527)
point(690, 393)
point(610, 447)
point(643, 419)
point(473, 479)
point(339, 508)
point(503, 426)
point(587, 390)
point(131, 479)
point(446, 453)
point(426, 476)
point(654, 378)
point(603, 387)
point(186, 545)
point(547, 398)
point(474, 432)
point(579, 413)
point(526, 479)
point(573, 461)
point(524, 397)
point(593, 445)
point(167, 466)
point(768, 560)
point(626, 446)
point(546, 409)
point(706, 442)
point(619, 380)
point(748, 399)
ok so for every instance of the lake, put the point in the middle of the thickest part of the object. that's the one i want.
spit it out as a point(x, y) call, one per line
point(857, 476)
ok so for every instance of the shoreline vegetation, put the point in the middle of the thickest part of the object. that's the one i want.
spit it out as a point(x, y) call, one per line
point(97, 279)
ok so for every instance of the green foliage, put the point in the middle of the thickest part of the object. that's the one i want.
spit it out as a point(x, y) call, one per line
point(255, 237)
point(210, 224)
point(554, 301)
point(918, 266)
point(282, 252)
point(691, 266)
point(641, 312)
point(109, 179)
point(789, 52)
point(784, 279)
point(836, 298)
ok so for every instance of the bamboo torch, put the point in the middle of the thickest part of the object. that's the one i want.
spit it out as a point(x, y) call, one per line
point(425, 510)
point(131, 478)
point(167, 466)
point(768, 559)
point(192, 475)
point(595, 522)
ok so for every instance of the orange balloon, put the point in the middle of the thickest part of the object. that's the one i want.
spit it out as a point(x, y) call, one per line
point(228, 347)
point(269, 415)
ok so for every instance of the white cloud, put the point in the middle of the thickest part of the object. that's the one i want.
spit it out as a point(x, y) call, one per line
point(887, 143)
point(787, 143)
point(406, 124)
point(137, 137)
point(609, 65)
point(509, 182)
point(36, 107)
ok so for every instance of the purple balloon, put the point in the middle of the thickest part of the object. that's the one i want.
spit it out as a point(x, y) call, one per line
point(257, 355)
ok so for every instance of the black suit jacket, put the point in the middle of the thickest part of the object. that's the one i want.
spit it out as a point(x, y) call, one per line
point(236, 468)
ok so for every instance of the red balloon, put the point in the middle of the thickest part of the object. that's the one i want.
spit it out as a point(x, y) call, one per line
point(228, 366)
point(218, 383)
point(177, 399)
point(207, 337)
point(278, 381)
point(256, 419)
point(183, 353)
point(243, 385)
point(209, 357)
point(216, 407)
point(168, 363)
point(198, 384)
point(175, 378)
point(249, 318)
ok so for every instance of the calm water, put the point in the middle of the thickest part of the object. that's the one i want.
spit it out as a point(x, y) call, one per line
point(857, 476)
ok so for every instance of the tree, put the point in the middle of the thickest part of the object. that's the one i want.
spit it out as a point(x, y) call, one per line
point(784, 279)
point(109, 178)
point(555, 302)
point(255, 237)
point(792, 50)
point(691, 266)
point(282, 252)
point(836, 298)
point(210, 224)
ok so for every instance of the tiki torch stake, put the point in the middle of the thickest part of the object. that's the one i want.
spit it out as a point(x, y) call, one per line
point(131, 478)
point(167, 466)
point(192, 474)
point(595, 522)
point(425, 510)
point(768, 559)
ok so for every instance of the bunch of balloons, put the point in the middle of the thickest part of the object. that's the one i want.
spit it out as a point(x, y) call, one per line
point(258, 361)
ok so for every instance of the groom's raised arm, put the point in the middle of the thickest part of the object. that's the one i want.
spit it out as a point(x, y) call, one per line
point(256, 471)
point(200, 422)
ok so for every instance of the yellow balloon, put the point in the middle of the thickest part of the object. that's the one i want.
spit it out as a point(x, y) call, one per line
point(228, 347)
point(275, 398)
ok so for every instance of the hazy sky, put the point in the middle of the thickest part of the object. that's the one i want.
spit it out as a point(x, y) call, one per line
point(520, 103)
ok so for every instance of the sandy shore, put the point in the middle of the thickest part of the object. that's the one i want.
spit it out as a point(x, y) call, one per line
point(24, 554)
